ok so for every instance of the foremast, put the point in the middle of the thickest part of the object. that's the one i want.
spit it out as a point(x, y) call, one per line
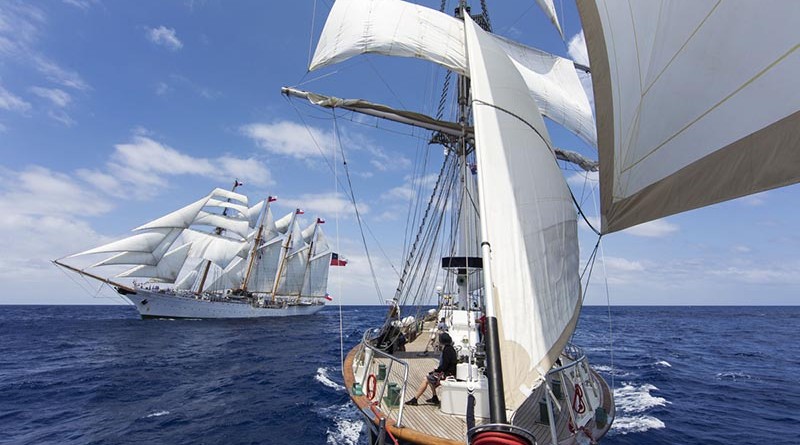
point(217, 231)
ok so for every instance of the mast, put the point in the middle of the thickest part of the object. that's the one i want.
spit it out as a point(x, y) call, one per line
point(256, 244)
point(497, 404)
point(310, 254)
point(285, 254)
point(217, 231)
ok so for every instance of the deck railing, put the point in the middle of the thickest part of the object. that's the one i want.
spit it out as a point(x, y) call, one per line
point(366, 358)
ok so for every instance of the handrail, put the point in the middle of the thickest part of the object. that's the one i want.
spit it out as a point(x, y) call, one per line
point(392, 360)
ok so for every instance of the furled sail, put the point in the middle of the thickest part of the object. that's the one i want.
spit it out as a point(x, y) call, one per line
point(697, 102)
point(528, 219)
point(371, 26)
point(550, 10)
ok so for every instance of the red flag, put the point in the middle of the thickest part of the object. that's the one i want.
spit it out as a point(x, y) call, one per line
point(336, 261)
point(320, 221)
point(237, 183)
point(300, 211)
point(272, 198)
point(328, 297)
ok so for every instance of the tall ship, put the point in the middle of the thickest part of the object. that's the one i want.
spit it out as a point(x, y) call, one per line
point(694, 104)
point(217, 257)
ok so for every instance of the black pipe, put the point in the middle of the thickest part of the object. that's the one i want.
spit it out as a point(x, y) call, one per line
point(497, 402)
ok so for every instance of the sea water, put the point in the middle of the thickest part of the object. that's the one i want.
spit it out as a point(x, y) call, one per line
point(100, 375)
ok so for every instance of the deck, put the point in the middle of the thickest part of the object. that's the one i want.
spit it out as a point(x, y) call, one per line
point(426, 424)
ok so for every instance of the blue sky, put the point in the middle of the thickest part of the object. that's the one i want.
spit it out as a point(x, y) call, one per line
point(114, 113)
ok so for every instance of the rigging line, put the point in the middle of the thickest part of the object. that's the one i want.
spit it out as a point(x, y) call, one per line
point(338, 273)
point(311, 33)
point(355, 207)
point(332, 168)
point(544, 139)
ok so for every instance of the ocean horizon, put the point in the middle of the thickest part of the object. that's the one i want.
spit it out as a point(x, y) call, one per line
point(97, 374)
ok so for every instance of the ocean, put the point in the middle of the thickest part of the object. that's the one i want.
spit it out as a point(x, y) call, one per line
point(100, 375)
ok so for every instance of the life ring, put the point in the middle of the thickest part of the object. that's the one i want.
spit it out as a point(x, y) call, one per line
point(372, 384)
point(577, 400)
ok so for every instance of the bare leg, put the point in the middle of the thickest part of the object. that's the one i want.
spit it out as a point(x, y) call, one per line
point(422, 389)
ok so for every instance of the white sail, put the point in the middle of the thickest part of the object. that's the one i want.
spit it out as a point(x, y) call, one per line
point(397, 28)
point(217, 249)
point(528, 219)
point(181, 218)
point(254, 212)
point(232, 196)
point(143, 258)
point(146, 242)
point(166, 270)
point(282, 224)
point(294, 266)
point(550, 10)
point(189, 276)
point(231, 277)
point(316, 281)
point(241, 209)
point(697, 102)
point(262, 279)
point(239, 226)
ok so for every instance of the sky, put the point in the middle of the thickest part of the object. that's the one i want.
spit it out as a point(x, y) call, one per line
point(115, 113)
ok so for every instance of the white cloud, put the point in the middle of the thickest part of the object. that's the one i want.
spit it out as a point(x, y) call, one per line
point(165, 37)
point(39, 191)
point(57, 74)
point(754, 200)
point(290, 139)
point(741, 249)
point(653, 229)
point(327, 205)
point(162, 88)
point(61, 116)
point(57, 97)
point(576, 48)
point(81, 4)
point(11, 102)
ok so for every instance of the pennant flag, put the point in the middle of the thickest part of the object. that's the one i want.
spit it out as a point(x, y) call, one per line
point(320, 221)
point(236, 183)
point(328, 297)
point(300, 211)
point(336, 261)
point(272, 198)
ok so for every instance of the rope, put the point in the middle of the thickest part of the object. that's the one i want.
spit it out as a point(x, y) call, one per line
point(355, 207)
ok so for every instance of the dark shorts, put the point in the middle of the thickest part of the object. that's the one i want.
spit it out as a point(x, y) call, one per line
point(434, 378)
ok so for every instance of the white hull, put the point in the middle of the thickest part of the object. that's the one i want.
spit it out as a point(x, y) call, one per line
point(154, 304)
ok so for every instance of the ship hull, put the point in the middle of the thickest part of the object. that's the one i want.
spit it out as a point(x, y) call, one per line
point(155, 304)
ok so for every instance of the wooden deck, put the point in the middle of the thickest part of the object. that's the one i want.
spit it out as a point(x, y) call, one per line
point(426, 424)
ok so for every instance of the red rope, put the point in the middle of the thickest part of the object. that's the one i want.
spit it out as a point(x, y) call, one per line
point(577, 400)
point(372, 383)
point(498, 438)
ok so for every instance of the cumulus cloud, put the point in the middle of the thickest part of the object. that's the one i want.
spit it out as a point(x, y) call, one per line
point(38, 191)
point(326, 204)
point(576, 48)
point(165, 37)
point(145, 165)
point(290, 139)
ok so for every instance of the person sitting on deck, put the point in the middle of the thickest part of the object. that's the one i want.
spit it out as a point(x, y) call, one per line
point(442, 326)
point(447, 368)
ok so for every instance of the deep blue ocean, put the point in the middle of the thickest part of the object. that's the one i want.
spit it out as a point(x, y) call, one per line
point(100, 375)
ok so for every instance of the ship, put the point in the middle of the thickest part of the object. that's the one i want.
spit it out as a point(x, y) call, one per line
point(217, 257)
point(694, 104)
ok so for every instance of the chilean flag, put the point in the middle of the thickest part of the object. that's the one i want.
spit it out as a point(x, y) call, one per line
point(272, 198)
point(320, 221)
point(336, 261)
point(300, 211)
point(328, 297)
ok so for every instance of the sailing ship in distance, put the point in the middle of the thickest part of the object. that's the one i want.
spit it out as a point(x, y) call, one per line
point(217, 257)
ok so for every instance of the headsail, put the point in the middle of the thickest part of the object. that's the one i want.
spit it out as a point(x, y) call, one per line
point(697, 102)
point(528, 218)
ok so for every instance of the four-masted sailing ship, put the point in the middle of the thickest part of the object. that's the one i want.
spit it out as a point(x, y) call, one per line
point(695, 104)
point(217, 257)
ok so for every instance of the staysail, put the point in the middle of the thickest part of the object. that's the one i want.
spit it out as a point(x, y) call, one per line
point(528, 219)
point(697, 102)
